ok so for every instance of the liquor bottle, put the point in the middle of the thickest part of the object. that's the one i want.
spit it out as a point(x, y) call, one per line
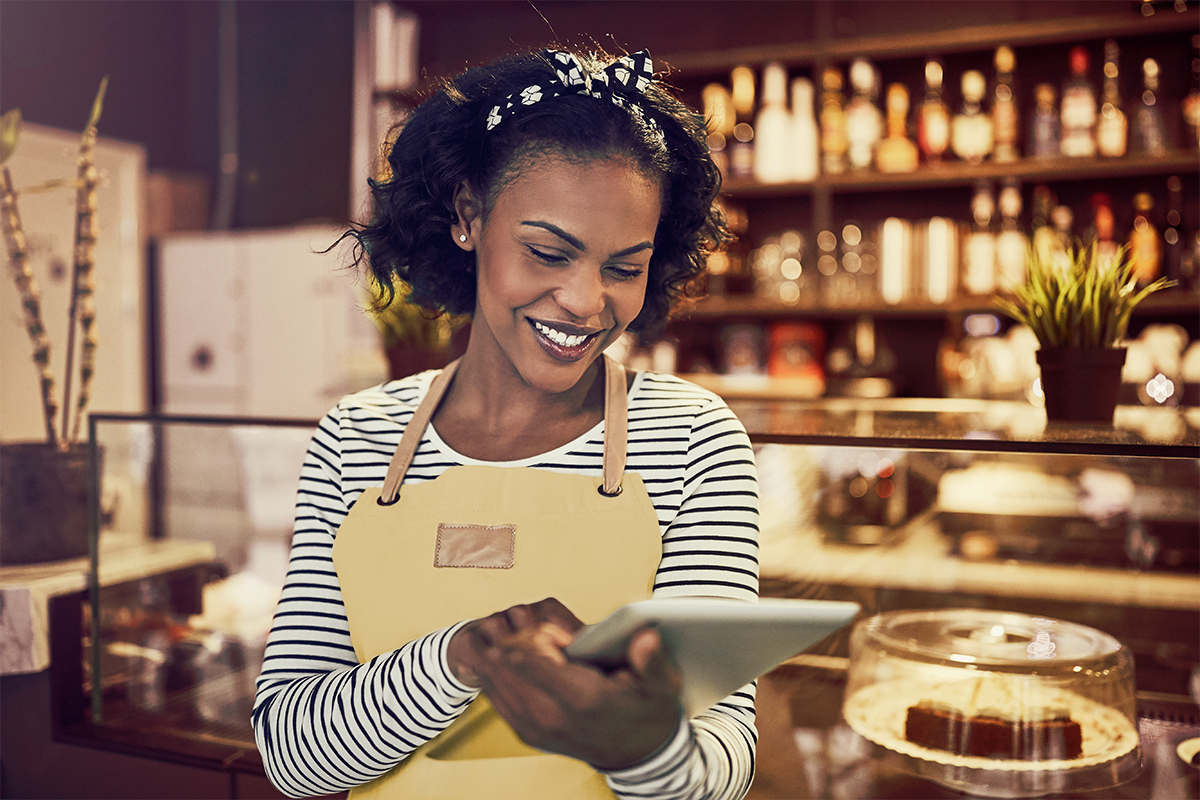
point(1111, 127)
point(1173, 233)
point(833, 123)
point(1102, 231)
point(1078, 109)
point(1004, 107)
point(971, 133)
point(864, 123)
point(772, 127)
point(806, 139)
point(1012, 245)
point(933, 118)
point(1145, 246)
point(741, 149)
point(1046, 131)
point(1062, 218)
point(861, 363)
point(897, 153)
point(1149, 129)
point(1044, 239)
point(1191, 104)
point(718, 112)
point(979, 269)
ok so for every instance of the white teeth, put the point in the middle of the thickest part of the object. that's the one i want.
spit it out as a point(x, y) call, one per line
point(558, 337)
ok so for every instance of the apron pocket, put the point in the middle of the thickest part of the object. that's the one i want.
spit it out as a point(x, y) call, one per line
point(481, 546)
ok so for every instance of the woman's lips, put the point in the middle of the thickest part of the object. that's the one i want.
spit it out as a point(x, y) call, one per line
point(563, 344)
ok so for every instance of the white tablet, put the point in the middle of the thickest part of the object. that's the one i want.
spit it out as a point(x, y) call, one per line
point(719, 645)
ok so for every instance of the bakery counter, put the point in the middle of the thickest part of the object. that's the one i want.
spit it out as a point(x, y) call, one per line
point(931, 505)
point(27, 590)
point(806, 748)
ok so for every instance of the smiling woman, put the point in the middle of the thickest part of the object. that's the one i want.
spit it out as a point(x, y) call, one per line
point(559, 201)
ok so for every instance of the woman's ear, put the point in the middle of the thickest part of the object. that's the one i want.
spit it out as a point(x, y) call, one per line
point(469, 213)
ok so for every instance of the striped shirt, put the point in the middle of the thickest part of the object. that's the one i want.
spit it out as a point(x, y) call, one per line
point(325, 723)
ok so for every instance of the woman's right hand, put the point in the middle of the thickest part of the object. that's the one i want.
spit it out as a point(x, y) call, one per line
point(608, 719)
point(539, 629)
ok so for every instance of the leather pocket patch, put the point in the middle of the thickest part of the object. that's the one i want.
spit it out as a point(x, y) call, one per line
point(480, 546)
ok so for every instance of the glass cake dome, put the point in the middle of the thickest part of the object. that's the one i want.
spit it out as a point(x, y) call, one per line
point(995, 703)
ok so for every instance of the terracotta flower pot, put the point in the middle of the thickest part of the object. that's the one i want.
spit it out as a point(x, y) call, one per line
point(1081, 384)
point(43, 503)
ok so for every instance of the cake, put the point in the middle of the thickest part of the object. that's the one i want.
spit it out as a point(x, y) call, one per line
point(993, 733)
point(993, 703)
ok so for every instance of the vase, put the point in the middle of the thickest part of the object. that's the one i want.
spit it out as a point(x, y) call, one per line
point(43, 503)
point(1081, 384)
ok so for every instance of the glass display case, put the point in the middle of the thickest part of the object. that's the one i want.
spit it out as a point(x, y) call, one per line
point(895, 504)
point(964, 509)
point(198, 512)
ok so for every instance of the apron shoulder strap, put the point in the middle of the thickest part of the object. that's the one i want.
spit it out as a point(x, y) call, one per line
point(412, 435)
point(616, 425)
point(616, 421)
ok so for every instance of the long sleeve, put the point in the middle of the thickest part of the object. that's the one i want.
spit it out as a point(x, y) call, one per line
point(323, 722)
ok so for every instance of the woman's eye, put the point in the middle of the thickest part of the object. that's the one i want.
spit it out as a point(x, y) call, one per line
point(625, 273)
point(549, 258)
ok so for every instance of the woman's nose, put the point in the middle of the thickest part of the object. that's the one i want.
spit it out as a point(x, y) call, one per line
point(582, 292)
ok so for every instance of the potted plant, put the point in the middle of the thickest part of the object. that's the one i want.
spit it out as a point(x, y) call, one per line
point(1078, 301)
point(44, 484)
point(413, 339)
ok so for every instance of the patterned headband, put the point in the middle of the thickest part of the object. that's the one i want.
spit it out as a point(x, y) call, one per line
point(620, 83)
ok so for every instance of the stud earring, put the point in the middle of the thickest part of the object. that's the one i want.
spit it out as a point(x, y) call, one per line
point(462, 237)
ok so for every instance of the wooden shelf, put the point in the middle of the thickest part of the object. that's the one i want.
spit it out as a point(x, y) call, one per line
point(721, 307)
point(956, 40)
point(963, 174)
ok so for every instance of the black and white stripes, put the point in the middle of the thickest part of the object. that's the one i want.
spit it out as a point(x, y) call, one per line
point(324, 723)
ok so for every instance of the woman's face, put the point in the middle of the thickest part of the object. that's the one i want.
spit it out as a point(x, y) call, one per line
point(562, 260)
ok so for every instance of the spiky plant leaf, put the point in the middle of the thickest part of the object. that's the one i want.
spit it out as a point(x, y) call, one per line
point(1077, 298)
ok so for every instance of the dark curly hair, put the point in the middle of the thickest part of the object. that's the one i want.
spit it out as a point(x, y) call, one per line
point(445, 142)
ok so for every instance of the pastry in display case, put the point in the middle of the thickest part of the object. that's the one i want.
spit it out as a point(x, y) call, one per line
point(996, 703)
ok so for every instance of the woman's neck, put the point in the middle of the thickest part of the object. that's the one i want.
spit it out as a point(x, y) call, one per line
point(490, 413)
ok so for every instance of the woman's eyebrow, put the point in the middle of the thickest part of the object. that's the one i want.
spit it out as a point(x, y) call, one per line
point(578, 245)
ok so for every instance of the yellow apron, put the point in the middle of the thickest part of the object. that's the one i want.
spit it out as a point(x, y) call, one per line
point(593, 544)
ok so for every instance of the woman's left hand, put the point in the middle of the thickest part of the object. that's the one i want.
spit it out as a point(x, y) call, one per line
point(608, 719)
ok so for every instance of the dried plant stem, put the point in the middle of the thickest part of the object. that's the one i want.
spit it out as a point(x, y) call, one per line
point(14, 237)
point(83, 288)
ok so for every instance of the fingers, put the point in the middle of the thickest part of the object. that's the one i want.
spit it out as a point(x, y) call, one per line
point(649, 660)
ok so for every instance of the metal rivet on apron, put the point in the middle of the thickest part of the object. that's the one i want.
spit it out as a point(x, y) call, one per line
point(391, 502)
point(600, 489)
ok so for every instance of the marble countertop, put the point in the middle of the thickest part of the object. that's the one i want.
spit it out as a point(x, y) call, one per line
point(964, 424)
point(25, 590)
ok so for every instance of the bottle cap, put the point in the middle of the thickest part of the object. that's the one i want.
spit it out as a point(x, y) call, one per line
point(1010, 201)
point(933, 74)
point(1005, 60)
point(802, 94)
point(973, 85)
point(743, 90)
point(862, 75)
point(831, 79)
point(774, 84)
point(1079, 60)
point(718, 108)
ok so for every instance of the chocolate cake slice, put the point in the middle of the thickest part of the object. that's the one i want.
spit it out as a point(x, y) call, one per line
point(1044, 735)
